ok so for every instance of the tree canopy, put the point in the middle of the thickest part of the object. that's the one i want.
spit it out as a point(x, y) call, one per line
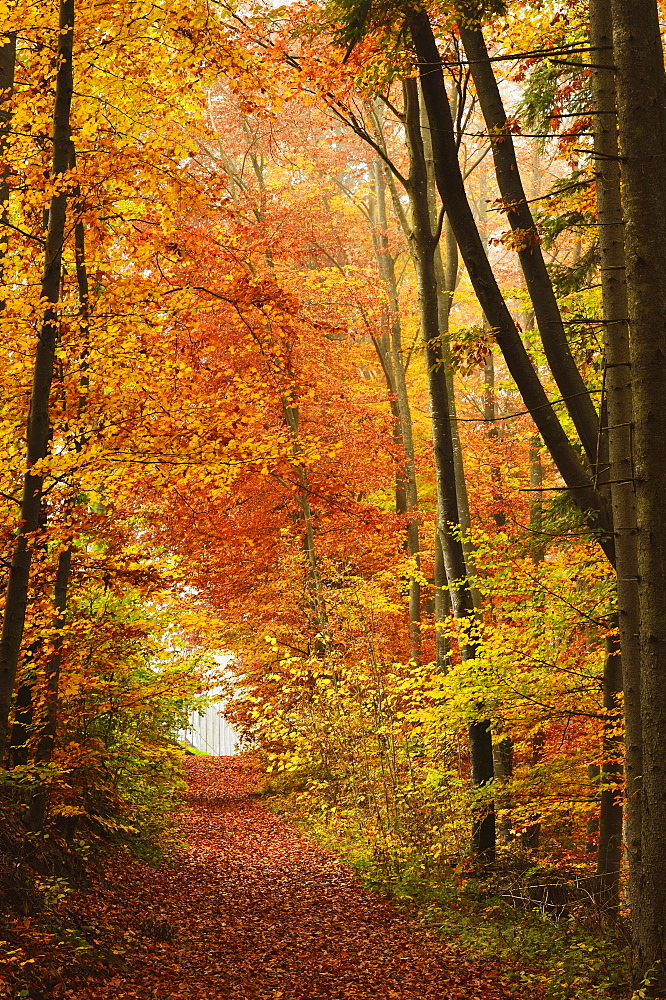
point(332, 341)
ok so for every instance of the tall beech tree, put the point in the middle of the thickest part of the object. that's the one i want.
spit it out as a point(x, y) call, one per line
point(620, 415)
point(209, 431)
point(448, 519)
point(528, 247)
point(452, 192)
point(435, 290)
point(7, 71)
point(639, 62)
point(641, 131)
point(389, 347)
point(39, 423)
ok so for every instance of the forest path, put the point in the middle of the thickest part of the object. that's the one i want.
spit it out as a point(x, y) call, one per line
point(256, 911)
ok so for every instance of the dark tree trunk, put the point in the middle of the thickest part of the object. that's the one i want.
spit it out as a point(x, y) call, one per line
point(528, 245)
point(315, 584)
point(532, 835)
point(423, 251)
point(454, 199)
point(47, 730)
point(390, 353)
point(442, 604)
point(39, 424)
point(620, 415)
point(592, 825)
point(624, 671)
point(18, 750)
point(609, 854)
point(7, 68)
point(446, 275)
point(639, 61)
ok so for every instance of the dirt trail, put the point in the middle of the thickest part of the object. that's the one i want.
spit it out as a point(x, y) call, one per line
point(256, 911)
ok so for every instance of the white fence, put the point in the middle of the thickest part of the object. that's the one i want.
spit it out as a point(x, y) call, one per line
point(211, 732)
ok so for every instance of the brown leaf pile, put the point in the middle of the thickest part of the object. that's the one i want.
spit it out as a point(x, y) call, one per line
point(255, 911)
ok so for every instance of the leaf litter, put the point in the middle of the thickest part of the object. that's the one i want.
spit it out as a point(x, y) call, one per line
point(251, 909)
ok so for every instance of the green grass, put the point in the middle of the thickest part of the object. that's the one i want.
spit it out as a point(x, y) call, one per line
point(192, 751)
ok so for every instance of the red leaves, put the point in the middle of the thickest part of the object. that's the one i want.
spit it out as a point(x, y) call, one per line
point(252, 910)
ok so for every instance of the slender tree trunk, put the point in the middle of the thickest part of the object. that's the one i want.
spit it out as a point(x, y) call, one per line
point(315, 584)
point(39, 424)
point(452, 192)
point(397, 384)
point(592, 825)
point(609, 855)
point(538, 540)
point(47, 734)
point(503, 748)
point(503, 769)
point(532, 834)
point(639, 62)
point(528, 245)
point(18, 750)
point(446, 276)
point(489, 396)
point(442, 604)
point(423, 248)
point(620, 418)
point(446, 273)
point(7, 68)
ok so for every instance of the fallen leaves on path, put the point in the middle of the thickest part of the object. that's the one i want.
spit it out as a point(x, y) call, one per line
point(254, 910)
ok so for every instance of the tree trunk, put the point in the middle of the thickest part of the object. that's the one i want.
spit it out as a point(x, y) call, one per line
point(47, 733)
point(489, 394)
point(446, 273)
point(448, 524)
point(314, 581)
point(592, 825)
point(446, 276)
point(620, 414)
point(398, 386)
point(454, 199)
point(39, 424)
point(639, 61)
point(18, 751)
point(502, 749)
point(442, 604)
point(7, 68)
point(528, 245)
point(44, 749)
point(532, 834)
point(609, 854)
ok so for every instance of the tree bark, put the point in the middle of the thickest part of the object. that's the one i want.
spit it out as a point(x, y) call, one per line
point(454, 199)
point(609, 855)
point(442, 604)
point(620, 411)
point(620, 416)
point(639, 62)
point(7, 68)
point(397, 385)
point(528, 245)
point(446, 273)
point(448, 522)
point(315, 584)
point(49, 722)
point(39, 424)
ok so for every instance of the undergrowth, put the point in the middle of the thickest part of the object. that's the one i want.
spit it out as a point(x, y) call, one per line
point(577, 957)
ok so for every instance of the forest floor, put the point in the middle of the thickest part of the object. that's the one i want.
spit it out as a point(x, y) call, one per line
point(251, 909)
